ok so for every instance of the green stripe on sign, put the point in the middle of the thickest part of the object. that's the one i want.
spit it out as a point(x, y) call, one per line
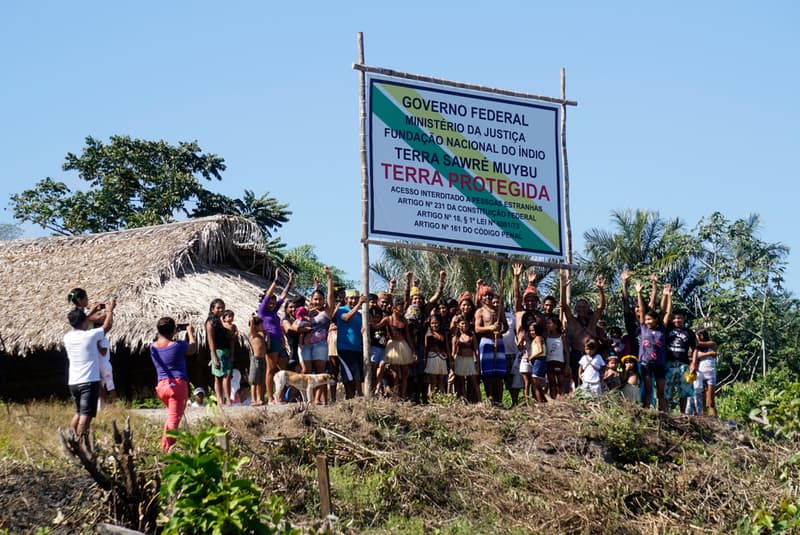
point(394, 117)
point(546, 227)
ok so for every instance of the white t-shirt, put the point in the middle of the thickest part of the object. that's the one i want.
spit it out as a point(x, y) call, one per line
point(555, 349)
point(84, 358)
point(510, 336)
point(591, 367)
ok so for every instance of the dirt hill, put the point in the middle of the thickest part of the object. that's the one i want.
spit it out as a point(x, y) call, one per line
point(573, 466)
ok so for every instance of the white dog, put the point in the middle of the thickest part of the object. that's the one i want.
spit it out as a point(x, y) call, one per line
point(305, 383)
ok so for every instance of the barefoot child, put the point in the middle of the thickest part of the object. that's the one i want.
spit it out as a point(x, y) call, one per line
point(258, 360)
point(591, 366)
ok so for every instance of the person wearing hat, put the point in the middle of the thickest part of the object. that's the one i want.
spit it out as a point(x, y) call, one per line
point(349, 345)
point(199, 399)
point(630, 379)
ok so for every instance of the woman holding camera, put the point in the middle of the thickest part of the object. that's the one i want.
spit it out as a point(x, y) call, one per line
point(169, 358)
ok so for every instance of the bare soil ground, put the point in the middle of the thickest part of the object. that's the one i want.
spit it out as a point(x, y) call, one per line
point(563, 467)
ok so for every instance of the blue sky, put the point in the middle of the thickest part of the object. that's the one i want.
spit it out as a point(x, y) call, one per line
point(684, 107)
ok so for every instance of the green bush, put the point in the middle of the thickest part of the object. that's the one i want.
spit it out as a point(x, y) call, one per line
point(625, 435)
point(736, 401)
point(202, 493)
point(778, 414)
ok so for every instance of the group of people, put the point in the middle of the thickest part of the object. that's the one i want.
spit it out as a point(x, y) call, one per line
point(420, 346)
point(534, 348)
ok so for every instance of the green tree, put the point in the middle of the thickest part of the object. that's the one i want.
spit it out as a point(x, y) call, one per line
point(642, 242)
point(304, 261)
point(462, 271)
point(753, 319)
point(134, 183)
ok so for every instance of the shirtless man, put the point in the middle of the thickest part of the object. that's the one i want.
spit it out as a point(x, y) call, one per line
point(490, 325)
point(581, 326)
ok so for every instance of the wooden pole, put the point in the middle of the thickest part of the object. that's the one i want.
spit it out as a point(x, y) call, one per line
point(364, 215)
point(324, 486)
point(565, 179)
point(441, 81)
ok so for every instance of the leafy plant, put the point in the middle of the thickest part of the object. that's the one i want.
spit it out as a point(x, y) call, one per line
point(736, 401)
point(778, 413)
point(627, 436)
point(203, 494)
point(785, 520)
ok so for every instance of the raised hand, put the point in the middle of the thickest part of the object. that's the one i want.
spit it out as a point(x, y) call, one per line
point(626, 275)
point(516, 269)
point(637, 285)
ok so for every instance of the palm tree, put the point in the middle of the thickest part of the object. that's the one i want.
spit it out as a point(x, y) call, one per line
point(643, 242)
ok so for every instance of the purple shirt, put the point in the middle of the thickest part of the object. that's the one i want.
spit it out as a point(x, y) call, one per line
point(271, 321)
point(170, 361)
point(653, 346)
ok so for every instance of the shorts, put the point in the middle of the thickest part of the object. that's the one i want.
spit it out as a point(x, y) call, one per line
point(540, 368)
point(258, 371)
point(276, 345)
point(352, 366)
point(675, 383)
point(595, 389)
point(85, 396)
point(707, 371)
point(225, 363)
point(318, 351)
point(555, 368)
point(516, 378)
point(493, 360)
point(376, 354)
point(659, 371)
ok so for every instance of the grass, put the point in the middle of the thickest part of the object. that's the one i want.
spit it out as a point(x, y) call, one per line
point(575, 466)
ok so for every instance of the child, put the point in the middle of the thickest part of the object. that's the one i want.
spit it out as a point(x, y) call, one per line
point(437, 351)
point(536, 356)
point(630, 379)
point(227, 322)
point(107, 393)
point(591, 366)
point(557, 358)
point(611, 377)
point(705, 365)
point(615, 341)
point(199, 394)
point(466, 368)
point(259, 345)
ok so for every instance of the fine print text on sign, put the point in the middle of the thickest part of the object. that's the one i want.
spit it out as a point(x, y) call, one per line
point(464, 168)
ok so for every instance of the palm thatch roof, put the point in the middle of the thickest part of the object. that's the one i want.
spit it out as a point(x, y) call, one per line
point(165, 270)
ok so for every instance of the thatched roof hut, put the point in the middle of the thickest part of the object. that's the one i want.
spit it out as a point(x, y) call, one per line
point(174, 270)
point(165, 270)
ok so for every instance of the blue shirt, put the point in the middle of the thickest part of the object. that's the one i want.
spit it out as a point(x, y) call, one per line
point(170, 361)
point(349, 337)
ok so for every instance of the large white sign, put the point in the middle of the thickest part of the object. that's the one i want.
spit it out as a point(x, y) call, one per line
point(464, 168)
